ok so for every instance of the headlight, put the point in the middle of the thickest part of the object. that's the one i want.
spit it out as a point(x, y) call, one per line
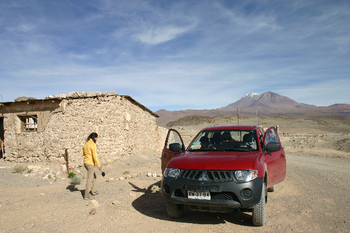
point(172, 173)
point(246, 175)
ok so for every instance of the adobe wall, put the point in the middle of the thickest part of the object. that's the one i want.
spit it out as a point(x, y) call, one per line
point(124, 129)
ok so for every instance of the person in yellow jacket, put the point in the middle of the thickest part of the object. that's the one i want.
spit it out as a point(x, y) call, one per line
point(90, 161)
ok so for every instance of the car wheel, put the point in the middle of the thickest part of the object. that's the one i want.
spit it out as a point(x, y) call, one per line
point(272, 189)
point(174, 210)
point(259, 218)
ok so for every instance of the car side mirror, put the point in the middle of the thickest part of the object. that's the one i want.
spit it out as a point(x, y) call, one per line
point(176, 147)
point(273, 146)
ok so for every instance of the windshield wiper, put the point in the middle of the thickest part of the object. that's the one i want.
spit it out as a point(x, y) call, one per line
point(235, 149)
point(200, 150)
point(242, 149)
point(194, 149)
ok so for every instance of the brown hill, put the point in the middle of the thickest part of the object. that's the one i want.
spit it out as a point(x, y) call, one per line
point(268, 104)
point(167, 116)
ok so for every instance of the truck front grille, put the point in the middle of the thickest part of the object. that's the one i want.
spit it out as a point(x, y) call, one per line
point(213, 176)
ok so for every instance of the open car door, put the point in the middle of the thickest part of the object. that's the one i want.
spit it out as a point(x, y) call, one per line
point(173, 146)
point(275, 157)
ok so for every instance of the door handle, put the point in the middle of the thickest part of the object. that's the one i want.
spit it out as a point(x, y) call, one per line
point(283, 155)
point(164, 155)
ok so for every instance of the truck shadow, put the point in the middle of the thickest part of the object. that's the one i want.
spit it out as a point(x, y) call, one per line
point(152, 204)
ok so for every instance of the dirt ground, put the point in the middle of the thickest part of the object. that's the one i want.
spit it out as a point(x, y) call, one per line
point(313, 198)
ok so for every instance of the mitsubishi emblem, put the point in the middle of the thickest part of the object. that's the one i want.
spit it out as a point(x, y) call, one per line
point(203, 177)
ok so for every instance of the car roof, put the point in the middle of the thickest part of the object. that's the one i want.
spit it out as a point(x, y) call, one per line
point(231, 127)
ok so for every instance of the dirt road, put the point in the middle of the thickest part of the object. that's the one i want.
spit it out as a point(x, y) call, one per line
point(313, 198)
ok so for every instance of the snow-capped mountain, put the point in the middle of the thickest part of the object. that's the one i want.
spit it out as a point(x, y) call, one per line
point(267, 101)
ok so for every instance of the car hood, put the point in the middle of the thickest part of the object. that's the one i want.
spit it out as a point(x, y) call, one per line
point(215, 160)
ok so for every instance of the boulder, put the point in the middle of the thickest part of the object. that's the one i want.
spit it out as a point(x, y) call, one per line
point(91, 94)
point(21, 99)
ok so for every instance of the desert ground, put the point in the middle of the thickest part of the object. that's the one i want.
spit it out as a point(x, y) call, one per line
point(313, 198)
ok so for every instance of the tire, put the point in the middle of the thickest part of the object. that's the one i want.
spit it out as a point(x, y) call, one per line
point(259, 217)
point(272, 189)
point(174, 210)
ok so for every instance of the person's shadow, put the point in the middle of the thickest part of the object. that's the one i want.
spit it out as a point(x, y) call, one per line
point(73, 188)
point(152, 204)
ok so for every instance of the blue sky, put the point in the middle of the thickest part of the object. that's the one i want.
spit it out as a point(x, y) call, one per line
point(176, 55)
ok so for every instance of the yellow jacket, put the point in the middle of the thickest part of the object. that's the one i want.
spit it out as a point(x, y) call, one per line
point(89, 151)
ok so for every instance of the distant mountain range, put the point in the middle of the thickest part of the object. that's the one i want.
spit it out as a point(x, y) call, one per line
point(267, 104)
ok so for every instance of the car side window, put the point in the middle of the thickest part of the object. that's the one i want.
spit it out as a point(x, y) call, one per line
point(173, 138)
point(271, 136)
point(261, 137)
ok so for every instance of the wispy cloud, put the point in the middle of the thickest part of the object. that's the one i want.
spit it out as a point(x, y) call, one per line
point(161, 35)
point(22, 28)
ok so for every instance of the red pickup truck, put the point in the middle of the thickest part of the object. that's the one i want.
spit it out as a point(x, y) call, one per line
point(225, 168)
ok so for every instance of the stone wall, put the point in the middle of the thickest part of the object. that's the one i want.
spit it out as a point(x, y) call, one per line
point(124, 128)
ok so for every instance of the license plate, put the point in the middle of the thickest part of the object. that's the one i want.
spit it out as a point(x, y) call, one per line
point(200, 195)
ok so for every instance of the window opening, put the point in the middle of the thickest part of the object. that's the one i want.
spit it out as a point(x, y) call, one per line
point(29, 123)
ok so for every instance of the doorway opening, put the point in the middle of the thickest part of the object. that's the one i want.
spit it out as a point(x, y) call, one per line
point(2, 151)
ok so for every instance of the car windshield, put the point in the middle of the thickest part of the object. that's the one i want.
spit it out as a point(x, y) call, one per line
point(225, 140)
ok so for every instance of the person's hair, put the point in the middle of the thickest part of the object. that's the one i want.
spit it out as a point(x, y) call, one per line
point(92, 136)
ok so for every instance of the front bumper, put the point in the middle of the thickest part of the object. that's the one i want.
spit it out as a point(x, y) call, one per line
point(225, 196)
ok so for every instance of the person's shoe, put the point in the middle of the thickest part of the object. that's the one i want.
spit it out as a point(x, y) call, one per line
point(94, 194)
point(87, 198)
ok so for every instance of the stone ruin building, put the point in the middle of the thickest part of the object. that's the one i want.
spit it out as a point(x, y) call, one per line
point(40, 130)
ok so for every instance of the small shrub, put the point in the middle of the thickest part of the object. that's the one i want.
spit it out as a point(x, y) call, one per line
point(18, 169)
point(75, 180)
point(126, 172)
point(29, 170)
point(71, 175)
